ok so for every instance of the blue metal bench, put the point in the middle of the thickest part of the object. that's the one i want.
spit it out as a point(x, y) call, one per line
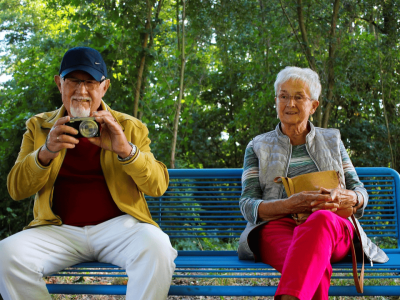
point(200, 211)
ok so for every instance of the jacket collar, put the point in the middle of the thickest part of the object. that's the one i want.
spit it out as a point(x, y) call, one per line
point(59, 113)
point(310, 136)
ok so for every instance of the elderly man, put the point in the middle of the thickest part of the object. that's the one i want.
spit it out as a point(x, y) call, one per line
point(89, 202)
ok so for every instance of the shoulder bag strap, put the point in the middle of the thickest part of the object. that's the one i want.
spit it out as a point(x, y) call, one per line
point(359, 282)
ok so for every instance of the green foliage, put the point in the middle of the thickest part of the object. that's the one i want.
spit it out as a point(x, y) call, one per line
point(234, 49)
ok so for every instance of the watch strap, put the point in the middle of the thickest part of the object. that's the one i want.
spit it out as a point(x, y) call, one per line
point(132, 154)
point(47, 148)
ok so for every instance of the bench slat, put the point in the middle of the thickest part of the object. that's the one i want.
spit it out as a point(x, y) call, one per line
point(215, 290)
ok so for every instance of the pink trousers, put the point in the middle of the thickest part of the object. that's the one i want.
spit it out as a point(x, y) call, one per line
point(303, 254)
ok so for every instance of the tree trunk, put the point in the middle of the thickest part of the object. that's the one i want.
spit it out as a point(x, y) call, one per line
point(145, 46)
point(265, 42)
point(181, 85)
point(309, 56)
point(304, 45)
point(331, 63)
point(393, 161)
point(142, 61)
point(306, 48)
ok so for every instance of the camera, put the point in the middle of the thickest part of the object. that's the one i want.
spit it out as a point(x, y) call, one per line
point(87, 127)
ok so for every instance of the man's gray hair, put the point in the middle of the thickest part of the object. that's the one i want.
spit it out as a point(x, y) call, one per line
point(305, 75)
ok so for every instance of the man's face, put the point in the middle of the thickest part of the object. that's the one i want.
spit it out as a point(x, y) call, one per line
point(78, 99)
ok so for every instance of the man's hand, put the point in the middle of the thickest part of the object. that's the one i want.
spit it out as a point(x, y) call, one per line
point(57, 140)
point(112, 137)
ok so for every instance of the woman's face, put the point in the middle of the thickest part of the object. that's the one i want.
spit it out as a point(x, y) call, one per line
point(293, 103)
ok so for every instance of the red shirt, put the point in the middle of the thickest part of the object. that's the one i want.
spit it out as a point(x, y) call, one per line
point(81, 196)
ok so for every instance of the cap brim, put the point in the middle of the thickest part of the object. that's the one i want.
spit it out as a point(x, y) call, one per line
point(98, 76)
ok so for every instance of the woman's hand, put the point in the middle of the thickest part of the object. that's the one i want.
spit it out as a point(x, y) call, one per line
point(295, 204)
point(343, 198)
point(303, 202)
point(310, 201)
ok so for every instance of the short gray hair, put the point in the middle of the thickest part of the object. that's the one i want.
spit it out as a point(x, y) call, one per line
point(306, 75)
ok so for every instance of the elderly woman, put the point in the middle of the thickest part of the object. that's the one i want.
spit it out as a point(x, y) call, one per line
point(302, 254)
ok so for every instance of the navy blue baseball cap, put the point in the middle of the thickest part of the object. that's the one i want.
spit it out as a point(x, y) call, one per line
point(84, 59)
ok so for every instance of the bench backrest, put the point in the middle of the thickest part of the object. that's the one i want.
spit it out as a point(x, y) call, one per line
point(204, 204)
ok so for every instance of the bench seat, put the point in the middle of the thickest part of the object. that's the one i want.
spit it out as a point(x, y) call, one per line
point(202, 205)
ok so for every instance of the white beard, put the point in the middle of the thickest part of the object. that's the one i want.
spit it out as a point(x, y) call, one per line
point(79, 110)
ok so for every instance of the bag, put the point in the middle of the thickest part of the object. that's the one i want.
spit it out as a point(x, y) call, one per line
point(313, 182)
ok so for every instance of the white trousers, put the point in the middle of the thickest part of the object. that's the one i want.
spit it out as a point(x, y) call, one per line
point(140, 248)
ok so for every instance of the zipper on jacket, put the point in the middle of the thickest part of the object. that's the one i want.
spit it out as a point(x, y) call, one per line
point(287, 168)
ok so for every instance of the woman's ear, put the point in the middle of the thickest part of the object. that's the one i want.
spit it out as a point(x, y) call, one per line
point(315, 104)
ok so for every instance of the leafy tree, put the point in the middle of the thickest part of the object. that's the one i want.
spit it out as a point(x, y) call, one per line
point(232, 51)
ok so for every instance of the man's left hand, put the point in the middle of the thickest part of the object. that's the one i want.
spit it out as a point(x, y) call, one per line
point(111, 136)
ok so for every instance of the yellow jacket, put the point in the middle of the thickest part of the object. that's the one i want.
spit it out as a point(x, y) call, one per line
point(127, 181)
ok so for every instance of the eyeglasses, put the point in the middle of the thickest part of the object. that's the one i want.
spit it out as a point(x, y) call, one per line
point(285, 98)
point(75, 83)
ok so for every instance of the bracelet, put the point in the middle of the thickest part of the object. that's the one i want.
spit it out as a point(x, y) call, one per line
point(47, 148)
point(358, 199)
point(133, 152)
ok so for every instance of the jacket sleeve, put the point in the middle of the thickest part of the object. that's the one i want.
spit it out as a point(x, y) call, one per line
point(251, 196)
point(150, 175)
point(352, 180)
point(27, 176)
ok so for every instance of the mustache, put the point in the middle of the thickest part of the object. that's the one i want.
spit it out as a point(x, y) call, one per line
point(81, 99)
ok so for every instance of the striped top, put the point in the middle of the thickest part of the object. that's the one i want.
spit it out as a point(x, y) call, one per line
point(300, 163)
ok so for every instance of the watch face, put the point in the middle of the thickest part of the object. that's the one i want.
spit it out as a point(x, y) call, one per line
point(133, 151)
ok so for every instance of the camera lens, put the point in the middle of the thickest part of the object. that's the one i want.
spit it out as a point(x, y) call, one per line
point(88, 128)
